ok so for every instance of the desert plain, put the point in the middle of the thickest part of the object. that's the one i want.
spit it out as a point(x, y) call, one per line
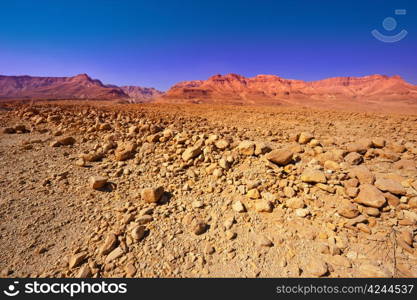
point(100, 189)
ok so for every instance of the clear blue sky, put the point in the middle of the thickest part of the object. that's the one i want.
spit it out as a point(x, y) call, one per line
point(158, 43)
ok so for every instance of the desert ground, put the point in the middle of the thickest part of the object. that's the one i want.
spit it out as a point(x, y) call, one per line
point(164, 190)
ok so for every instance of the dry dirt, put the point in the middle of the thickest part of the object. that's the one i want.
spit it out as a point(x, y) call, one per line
point(103, 190)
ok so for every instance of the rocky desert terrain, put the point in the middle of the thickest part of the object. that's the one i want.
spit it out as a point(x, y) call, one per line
point(166, 190)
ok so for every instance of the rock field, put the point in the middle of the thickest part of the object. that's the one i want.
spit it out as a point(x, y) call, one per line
point(158, 190)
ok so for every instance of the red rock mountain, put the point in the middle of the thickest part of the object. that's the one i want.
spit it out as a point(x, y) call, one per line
point(270, 89)
point(77, 87)
point(139, 94)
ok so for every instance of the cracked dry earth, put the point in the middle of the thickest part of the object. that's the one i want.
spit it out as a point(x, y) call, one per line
point(107, 190)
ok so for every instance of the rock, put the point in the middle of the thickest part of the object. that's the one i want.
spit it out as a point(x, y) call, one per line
point(116, 253)
point(302, 212)
point(354, 158)
point(263, 206)
point(364, 228)
point(407, 237)
point(130, 270)
point(280, 157)
point(347, 209)
point(152, 195)
point(76, 260)
point(363, 174)
point(109, 244)
point(263, 241)
point(8, 130)
point(138, 232)
point(316, 268)
point(389, 185)
point(378, 142)
point(261, 148)
point(191, 153)
point(198, 227)
point(222, 144)
point(352, 192)
point(340, 261)
point(305, 137)
point(84, 272)
point(145, 219)
point(238, 207)
point(246, 148)
point(392, 199)
point(369, 270)
point(313, 176)
point(97, 182)
point(331, 165)
point(125, 151)
point(372, 211)
point(295, 203)
point(412, 203)
point(370, 196)
point(66, 141)
point(253, 194)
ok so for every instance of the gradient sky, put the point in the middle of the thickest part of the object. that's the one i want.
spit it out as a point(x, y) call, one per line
point(158, 43)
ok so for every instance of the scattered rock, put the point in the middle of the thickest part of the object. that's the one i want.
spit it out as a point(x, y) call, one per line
point(152, 195)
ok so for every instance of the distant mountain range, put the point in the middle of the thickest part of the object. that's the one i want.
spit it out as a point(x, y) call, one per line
point(270, 89)
point(223, 89)
point(77, 87)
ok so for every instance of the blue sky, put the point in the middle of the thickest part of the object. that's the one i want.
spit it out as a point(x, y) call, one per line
point(158, 43)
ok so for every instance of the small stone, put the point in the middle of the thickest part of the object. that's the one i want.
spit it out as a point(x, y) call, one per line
point(305, 137)
point(191, 153)
point(263, 206)
point(302, 212)
point(138, 232)
point(97, 182)
point(363, 174)
point(354, 158)
point(370, 196)
point(316, 268)
point(84, 272)
point(116, 253)
point(295, 203)
point(313, 176)
point(347, 209)
point(198, 227)
point(280, 157)
point(66, 141)
point(238, 207)
point(109, 244)
point(152, 195)
point(389, 185)
point(145, 219)
point(253, 194)
point(263, 241)
point(77, 259)
point(246, 148)
point(130, 270)
point(222, 144)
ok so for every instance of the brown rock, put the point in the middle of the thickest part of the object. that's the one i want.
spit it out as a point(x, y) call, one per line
point(191, 153)
point(389, 185)
point(116, 253)
point(313, 176)
point(76, 260)
point(97, 182)
point(109, 244)
point(363, 174)
point(246, 148)
point(152, 195)
point(354, 158)
point(263, 206)
point(370, 196)
point(280, 157)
